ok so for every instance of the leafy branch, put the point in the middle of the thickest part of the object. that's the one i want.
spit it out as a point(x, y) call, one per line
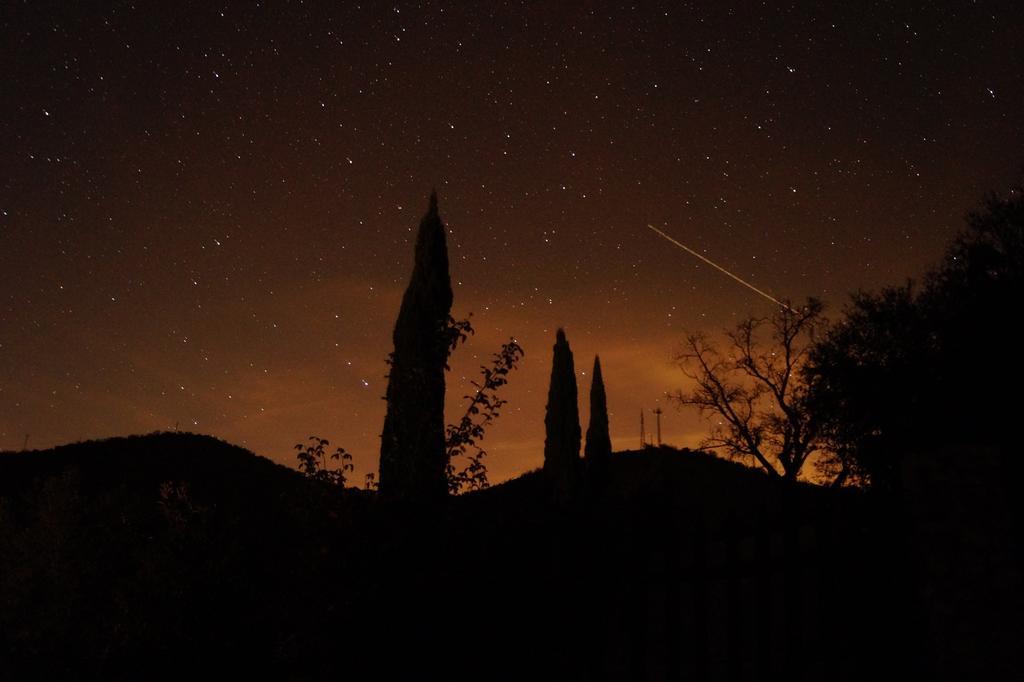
point(462, 439)
point(313, 462)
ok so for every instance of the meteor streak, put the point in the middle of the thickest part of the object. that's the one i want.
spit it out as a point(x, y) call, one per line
point(718, 267)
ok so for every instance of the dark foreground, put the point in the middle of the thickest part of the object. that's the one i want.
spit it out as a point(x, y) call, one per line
point(180, 556)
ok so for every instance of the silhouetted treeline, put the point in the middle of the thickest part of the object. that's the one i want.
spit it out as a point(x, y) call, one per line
point(198, 559)
point(186, 553)
point(916, 366)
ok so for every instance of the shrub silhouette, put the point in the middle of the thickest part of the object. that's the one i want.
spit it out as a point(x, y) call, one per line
point(313, 462)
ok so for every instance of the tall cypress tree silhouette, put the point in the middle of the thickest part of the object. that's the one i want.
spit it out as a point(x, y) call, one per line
point(412, 450)
point(562, 423)
point(598, 450)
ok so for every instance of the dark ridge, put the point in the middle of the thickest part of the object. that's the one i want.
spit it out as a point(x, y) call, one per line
point(155, 456)
point(177, 548)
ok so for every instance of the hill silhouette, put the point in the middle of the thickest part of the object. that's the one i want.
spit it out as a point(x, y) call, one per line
point(146, 547)
point(148, 460)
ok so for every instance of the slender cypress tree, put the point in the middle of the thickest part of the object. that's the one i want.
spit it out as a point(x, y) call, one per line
point(562, 423)
point(412, 450)
point(599, 443)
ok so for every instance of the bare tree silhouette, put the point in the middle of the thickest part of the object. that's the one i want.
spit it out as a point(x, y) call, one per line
point(756, 390)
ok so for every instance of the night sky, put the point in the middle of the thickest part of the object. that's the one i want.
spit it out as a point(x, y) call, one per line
point(207, 210)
